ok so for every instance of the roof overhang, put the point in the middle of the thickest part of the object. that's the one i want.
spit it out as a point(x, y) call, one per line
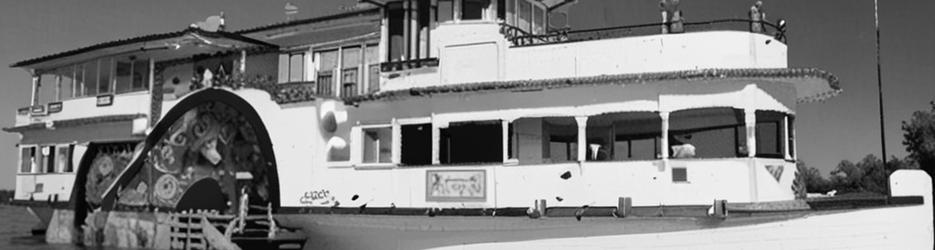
point(179, 44)
point(810, 84)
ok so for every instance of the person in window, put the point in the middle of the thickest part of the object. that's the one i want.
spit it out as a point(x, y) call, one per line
point(680, 146)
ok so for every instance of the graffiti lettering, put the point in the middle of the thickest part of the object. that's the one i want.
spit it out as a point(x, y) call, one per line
point(320, 197)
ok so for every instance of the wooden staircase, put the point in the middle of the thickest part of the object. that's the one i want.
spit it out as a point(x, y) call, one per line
point(254, 227)
point(199, 230)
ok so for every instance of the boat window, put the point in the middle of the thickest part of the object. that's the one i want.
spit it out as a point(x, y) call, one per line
point(510, 8)
point(296, 67)
point(47, 88)
point(770, 134)
point(623, 136)
point(544, 140)
point(67, 75)
point(501, 9)
point(27, 159)
point(471, 142)
point(707, 133)
point(524, 22)
point(63, 158)
point(396, 31)
point(445, 11)
point(416, 144)
point(539, 20)
point(140, 75)
point(377, 145)
point(90, 78)
point(372, 60)
point(350, 68)
point(328, 61)
point(473, 9)
point(105, 69)
point(131, 75)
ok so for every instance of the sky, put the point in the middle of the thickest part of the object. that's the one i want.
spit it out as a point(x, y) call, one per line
point(835, 35)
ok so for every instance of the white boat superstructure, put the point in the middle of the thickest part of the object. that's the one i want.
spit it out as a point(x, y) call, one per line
point(464, 104)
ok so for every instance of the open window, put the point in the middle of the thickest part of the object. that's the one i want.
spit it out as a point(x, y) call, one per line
point(707, 133)
point(544, 140)
point(471, 142)
point(377, 143)
point(473, 9)
point(396, 32)
point(770, 134)
point(132, 74)
point(416, 144)
point(63, 158)
point(624, 136)
point(27, 159)
point(444, 11)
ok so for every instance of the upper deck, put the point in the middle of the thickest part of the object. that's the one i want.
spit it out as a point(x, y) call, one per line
point(398, 45)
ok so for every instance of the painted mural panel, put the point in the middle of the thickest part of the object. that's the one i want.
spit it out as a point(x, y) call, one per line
point(456, 185)
point(111, 159)
point(212, 140)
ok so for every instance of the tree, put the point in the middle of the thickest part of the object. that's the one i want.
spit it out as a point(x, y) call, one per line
point(811, 178)
point(867, 175)
point(919, 138)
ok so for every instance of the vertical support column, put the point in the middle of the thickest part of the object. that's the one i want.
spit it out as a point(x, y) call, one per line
point(34, 99)
point(396, 149)
point(436, 139)
point(749, 119)
point(582, 137)
point(505, 138)
point(456, 11)
point(337, 74)
point(664, 142)
point(384, 36)
point(785, 138)
point(362, 71)
point(433, 6)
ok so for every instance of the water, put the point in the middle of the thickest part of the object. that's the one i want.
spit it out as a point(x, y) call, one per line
point(15, 232)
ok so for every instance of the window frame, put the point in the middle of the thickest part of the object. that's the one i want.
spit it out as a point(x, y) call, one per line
point(359, 133)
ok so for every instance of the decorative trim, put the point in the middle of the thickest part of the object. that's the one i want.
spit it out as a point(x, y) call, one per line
point(76, 122)
point(620, 79)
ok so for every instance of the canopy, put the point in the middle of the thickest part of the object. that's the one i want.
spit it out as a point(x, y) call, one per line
point(179, 44)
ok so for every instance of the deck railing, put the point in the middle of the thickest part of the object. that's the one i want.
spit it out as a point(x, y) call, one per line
point(520, 38)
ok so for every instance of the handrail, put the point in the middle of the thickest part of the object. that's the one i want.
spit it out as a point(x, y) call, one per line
point(630, 30)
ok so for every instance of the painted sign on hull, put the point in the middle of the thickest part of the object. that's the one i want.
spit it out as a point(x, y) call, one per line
point(456, 185)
